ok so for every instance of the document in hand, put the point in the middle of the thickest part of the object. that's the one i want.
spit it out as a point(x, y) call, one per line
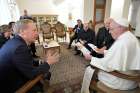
point(93, 46)
point(84, 50)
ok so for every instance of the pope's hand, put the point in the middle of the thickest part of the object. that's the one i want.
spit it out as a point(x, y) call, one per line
point(87, 56)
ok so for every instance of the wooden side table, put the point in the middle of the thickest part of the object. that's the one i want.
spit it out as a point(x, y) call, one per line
point(51, 46)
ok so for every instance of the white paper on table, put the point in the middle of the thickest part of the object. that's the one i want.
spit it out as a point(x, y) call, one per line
point(87, 79)
point(50, 44)
point(45, 45)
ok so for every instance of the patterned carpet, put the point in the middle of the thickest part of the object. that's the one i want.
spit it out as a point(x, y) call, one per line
point(67, 74)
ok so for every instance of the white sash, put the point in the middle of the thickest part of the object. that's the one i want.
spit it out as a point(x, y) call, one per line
point(87, 79)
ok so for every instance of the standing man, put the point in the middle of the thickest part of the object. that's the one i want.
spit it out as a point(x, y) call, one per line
point(25, 15)
point(122, 56)
point(16, 62)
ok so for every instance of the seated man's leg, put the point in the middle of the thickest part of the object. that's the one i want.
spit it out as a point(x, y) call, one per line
point(33, 49)
point(48, 76)
point(71, 40)
point(77, 51)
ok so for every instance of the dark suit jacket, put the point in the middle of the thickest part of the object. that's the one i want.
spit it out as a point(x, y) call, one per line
point(88, 36)
point(103, 38)
point(16, 65)
point(76, 26)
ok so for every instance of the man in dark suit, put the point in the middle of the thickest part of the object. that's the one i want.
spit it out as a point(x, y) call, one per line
point(32, 45)
point(4, 34)
point(16, 62)
point(85, 36)
point(77, 29)
point(104, 39)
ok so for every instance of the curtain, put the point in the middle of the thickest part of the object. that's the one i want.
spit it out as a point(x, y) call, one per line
point(5, 16)
point(10, 11)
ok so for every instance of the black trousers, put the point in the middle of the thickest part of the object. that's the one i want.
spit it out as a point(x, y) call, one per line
point(73, 38)
point(33, 48)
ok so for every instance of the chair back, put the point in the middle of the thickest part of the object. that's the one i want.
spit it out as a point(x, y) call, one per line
point(60, 30)
point(46, 31)
point(46, 28)
point(59, 27)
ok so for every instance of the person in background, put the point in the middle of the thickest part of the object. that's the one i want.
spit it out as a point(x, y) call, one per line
point(26, 15)
point(77, 29)
point(122, 56)
point(16, 61)
point(5, 34)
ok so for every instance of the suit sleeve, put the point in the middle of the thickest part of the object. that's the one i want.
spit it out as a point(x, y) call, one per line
point(23, 62)
point(74, 27)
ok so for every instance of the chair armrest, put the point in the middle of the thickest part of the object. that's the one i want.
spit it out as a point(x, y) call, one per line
point(29, 84)
point(135, 78)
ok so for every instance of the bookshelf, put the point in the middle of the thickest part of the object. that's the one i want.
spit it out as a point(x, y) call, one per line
point(39, 19)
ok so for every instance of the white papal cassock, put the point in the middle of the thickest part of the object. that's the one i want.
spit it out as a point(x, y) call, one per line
point(123, 56)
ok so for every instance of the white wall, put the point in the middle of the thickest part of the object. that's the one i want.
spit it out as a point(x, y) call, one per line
point(120, 8)
point(135, 4)
point(126, 8)
point(108, 8)
point(137, 32)
point(117, 8)
point(59, 7)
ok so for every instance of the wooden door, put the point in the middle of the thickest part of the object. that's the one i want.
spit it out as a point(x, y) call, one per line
point(99, 11)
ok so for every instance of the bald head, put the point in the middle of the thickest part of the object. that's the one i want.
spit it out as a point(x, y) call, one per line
point(86, 26)
point(107, 22)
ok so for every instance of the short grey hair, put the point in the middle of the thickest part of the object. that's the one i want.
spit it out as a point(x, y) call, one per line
point(21, 25)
